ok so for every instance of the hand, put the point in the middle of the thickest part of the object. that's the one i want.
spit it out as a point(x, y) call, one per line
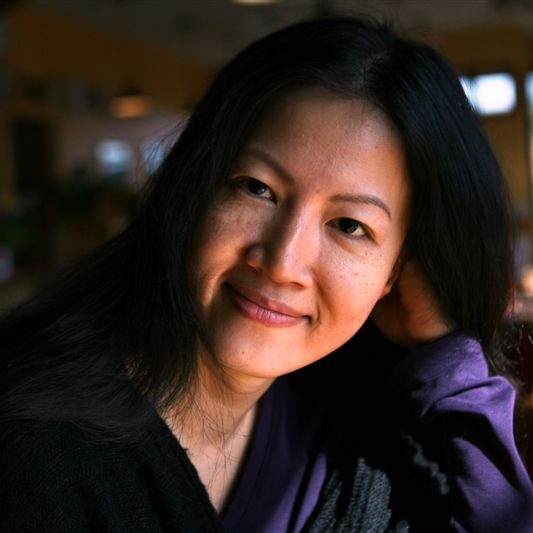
point(409, 314)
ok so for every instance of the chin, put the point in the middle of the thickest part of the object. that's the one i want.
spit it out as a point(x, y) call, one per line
point(267, 364)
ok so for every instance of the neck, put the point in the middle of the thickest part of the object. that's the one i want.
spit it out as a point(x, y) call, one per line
point(217, 406)
point(215, 426)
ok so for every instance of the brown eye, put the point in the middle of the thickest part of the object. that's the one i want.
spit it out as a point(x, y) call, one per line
point(350, 227)
point(257, 188)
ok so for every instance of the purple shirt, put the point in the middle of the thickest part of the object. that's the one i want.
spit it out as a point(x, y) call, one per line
point(450, 391)
point(284, 472)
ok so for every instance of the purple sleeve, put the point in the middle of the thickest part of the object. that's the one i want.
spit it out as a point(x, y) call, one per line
point(472, 413)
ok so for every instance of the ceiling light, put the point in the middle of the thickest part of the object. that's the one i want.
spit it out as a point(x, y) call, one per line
point(131, 103)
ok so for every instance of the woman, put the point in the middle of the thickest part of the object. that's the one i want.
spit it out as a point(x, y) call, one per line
point(332, 172)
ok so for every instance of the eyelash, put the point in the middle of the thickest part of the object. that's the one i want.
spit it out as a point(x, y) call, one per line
point(246, 182)
point(352, 235)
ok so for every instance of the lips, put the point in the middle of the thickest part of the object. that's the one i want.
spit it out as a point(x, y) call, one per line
point(263, 309)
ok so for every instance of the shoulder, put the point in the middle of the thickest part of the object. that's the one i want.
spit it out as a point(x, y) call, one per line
point(38, 448)
point(45, 469)
point(55, 478)
point(374, 440)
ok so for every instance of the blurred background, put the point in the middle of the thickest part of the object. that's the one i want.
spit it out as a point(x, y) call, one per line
point(93, 93)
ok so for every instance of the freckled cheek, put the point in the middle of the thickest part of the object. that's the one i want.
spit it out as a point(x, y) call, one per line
point(221, 241)
point(236, 221)
point(352, 288)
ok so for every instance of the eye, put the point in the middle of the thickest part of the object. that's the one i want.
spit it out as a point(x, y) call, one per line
point(257, 188)
point(351, 227)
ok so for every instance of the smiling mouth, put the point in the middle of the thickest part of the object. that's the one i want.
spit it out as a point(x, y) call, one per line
point(259, 309)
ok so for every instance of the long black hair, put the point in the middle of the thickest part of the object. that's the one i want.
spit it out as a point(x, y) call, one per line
point(116, 336)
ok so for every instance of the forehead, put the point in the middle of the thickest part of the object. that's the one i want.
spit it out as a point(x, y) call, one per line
point(314, 128)
point(310, 113)
point(331, 146)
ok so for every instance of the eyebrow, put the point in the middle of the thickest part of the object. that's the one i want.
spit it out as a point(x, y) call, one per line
point(363, 199)
point(368, 199)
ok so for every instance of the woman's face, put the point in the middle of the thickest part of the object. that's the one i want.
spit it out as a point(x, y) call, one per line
point(303, 239)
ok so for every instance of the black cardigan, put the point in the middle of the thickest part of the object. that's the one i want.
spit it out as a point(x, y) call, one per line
point(54, 479)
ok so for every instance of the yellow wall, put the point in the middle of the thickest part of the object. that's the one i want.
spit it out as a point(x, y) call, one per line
point(481, 50)
point(47, 45)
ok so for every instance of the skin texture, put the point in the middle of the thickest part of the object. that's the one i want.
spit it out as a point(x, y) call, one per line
point(284, 235)
point(297, 248)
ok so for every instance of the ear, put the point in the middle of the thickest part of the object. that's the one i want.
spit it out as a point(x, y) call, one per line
point(395, 274)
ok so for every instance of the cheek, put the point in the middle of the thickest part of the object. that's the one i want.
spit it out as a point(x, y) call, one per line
point(221, 241)
point(352, 288)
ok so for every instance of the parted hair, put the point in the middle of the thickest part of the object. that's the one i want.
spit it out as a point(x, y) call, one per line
point(114, 339)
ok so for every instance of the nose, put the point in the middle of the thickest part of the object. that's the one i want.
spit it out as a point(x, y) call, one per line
point(286, 251)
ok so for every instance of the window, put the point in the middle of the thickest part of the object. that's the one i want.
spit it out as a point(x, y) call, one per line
point(491, 94)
